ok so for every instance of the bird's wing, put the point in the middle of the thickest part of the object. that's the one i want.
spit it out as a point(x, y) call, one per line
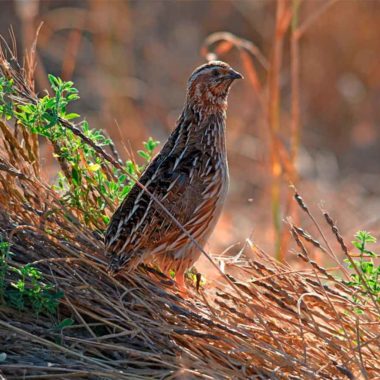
point(128, 208)
point(140, 225)
point(134, 224)
point(186, 182)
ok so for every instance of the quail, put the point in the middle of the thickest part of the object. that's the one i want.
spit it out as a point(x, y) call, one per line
point(190, 178)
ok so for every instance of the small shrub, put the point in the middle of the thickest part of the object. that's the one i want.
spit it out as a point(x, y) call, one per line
point(365, 264)
point(86, 182)
point(24, 286)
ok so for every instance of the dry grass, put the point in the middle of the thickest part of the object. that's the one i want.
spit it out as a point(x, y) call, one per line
point(261, 319)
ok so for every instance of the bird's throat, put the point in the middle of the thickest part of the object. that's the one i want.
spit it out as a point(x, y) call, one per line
point(206, 130)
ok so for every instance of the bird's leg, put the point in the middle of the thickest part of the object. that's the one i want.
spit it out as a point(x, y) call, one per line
point(199, 279)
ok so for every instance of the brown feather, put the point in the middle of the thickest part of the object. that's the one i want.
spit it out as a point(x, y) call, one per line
point(189, 176)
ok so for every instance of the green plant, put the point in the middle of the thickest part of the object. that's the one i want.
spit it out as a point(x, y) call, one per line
point(24, 286)
point(6, 109)
point(370, 273)
point(4, 253)
point(86, 183)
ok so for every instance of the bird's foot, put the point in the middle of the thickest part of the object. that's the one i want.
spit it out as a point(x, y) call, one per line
point(196, 278)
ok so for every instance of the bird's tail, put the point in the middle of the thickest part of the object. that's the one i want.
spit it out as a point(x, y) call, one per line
point(113, 268)
point(124, 263)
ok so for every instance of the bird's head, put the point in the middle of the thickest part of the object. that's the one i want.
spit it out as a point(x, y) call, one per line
point(209, 84)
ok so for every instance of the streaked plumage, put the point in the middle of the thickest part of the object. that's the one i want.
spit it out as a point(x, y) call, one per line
point(189, 176)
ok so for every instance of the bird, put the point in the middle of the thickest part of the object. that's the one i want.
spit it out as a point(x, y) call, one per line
point(189, 176)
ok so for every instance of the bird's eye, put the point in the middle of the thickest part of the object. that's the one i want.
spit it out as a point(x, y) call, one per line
point(215, 73)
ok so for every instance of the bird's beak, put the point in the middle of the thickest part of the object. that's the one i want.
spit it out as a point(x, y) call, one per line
point(232, 74)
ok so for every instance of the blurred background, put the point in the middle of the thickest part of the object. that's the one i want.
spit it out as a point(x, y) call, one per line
point(130, 61)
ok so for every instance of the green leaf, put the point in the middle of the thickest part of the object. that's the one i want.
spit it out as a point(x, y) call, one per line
point(366, 267)
point(143, 154)
point(122, 179)
point(54, 82)
point(71, 116)
point(365, 237)
point(172, 273)
point(58, 295)
point(72, 97)
point(19, 285)
point(76, 176)
point(150, 145)
point(67, 322)
point(125, 191)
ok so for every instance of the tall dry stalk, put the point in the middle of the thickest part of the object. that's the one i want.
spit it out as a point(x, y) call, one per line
point(292, 174)
point(283, 16)
point(297, 31)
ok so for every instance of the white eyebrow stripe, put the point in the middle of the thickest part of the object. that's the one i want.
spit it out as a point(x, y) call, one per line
point(207, 68)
